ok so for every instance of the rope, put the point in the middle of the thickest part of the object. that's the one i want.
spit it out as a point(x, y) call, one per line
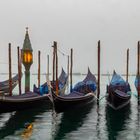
point(64, 54)
point(99, 99)
point(102, 97)
point(50, 93)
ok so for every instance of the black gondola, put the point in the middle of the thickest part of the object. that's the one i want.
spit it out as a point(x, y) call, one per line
point(4, 86)
point(83, 94)
point(24, 101)
point(118, 92)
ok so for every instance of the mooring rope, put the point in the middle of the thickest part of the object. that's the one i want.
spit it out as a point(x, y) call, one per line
point(99, 99)
point(64, 54)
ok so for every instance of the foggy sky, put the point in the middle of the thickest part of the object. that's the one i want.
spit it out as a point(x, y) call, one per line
point(77, 24)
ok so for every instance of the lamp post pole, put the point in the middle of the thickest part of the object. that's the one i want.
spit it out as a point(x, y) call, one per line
point(27, 79)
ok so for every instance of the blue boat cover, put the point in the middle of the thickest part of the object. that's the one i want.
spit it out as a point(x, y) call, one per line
point(84, 86)
point(118, 83)
point(87, 85)
point(117, 80)
point(43, 89)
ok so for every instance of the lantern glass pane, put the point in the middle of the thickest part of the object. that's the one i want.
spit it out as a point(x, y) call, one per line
point(25, 57)
point(29, 57)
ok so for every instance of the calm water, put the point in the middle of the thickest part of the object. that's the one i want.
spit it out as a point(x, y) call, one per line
point(92, 123)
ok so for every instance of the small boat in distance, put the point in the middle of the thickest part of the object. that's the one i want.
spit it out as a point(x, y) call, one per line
point(83, 94)
point(118, 92)
point(4, 85)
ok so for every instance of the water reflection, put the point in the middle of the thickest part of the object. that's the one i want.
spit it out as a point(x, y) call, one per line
point(26, 134)
point(137, 124)
point(116, 121)
point(98, 123)
point(69, 122)
point(18, 121)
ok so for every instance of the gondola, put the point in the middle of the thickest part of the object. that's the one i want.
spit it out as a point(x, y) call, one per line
point(118, 92)
point(24, 101)
point(4, 86)
point(83, 94)
point(62, 81)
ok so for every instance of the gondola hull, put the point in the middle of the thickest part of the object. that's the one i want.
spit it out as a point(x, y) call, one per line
point(63, 104)
point(22, 102)
point(117, 99)
point(118, 92)
point(83, 94)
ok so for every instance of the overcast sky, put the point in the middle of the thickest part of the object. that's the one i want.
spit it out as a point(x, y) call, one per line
point(76, 24)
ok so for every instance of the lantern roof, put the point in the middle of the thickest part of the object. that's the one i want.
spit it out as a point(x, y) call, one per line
point(27, 44)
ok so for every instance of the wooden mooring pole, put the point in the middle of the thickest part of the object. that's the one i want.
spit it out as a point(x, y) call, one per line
point(127, 65)
point(19, 69)
point(138, 71)
point(71, 66)
point(68, 71)
point(48, 67)
point(98, 87)
point(55, 44)
point(53, 75)
point(39, 68)
point(10, 71)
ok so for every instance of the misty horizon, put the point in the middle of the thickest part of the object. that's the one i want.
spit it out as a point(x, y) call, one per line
point(73, 24)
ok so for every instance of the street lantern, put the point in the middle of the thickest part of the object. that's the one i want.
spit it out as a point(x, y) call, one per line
point(27, 59)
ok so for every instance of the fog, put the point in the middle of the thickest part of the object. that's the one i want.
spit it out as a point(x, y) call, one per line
point(77, 24)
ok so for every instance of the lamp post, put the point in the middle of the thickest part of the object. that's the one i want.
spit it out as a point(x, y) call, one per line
point(27, 59)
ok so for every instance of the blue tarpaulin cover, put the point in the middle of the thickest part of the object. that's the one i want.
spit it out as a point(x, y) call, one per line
point(82, 86)
point(117, 80)
point(43, 89)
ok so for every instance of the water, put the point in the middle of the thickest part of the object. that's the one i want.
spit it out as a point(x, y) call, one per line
point(92, 123)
